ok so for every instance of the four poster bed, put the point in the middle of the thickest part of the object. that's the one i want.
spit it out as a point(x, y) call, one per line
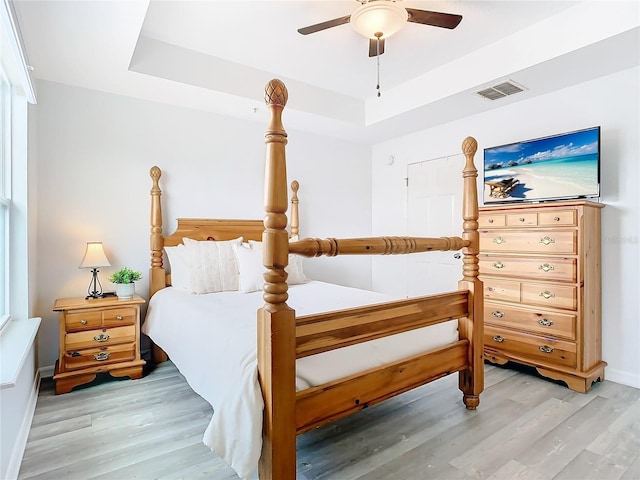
point(288, 376)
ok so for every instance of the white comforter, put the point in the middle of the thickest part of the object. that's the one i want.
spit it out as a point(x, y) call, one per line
point(212, 341)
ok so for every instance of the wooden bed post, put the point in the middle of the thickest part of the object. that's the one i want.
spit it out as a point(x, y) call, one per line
point(276, 321)
point(156, 272)
point(295, 215)
point(471, 328)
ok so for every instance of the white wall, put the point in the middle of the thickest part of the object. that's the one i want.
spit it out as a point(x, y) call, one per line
point(94, 154)
point(611, 102)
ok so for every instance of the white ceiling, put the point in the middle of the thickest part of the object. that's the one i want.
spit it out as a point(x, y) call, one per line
point(217, 56)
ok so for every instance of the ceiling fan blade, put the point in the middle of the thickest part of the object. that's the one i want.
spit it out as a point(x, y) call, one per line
point(324, 25)
point(373, 47)
point(436, 19)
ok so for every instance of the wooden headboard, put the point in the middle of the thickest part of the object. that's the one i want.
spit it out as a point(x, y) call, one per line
point(200, 229)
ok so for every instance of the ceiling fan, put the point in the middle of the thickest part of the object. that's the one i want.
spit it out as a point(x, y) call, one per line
point(379, 19)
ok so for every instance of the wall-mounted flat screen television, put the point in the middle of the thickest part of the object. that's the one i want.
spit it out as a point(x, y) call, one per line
point(557, 167)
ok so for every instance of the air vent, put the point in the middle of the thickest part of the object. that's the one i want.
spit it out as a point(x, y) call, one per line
point(500, 90)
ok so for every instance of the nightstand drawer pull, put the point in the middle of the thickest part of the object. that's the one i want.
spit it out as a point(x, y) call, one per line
point(497, 314)
point(547, 294)
point(101, 356)
point(119, 317)
point(545, 322)
point(498, 338)
point(101, 338)
point(556, 219)
point(521, 219)
point(547, 240)
point(498, 265)
point(545, 349)
point(545, 267)
point(499, 240)
point(490, 220)
point(83, 321)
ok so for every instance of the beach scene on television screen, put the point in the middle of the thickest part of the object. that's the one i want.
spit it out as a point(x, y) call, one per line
point(555, 167)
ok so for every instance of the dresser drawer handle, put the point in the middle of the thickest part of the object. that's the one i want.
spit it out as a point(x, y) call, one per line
point(490, 220)
point(118, 317)
point(556, 219)
point(497, 314)
point(547, 240)
point(499, 240)
point(545, 349)
point(545, 267)
point(83, 321)
point(100, 357)
point(498, 338)
point(547, 294)
point(545, 322)
point(521, 219)
point(498, 265)
point(101, 338)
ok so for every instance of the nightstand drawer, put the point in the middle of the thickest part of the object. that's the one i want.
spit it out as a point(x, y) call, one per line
point(83, 320)
point(544, 323)
point(547, 268)
point(119, 316)
point(94, 357)
point(549, 295)
point(558, 242)
point(531, 347)
point(105, 336)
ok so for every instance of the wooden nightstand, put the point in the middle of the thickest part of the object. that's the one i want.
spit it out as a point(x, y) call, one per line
point(97, 335)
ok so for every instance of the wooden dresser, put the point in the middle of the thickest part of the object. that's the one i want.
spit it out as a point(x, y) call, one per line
point(540, 265)
point(97, 335)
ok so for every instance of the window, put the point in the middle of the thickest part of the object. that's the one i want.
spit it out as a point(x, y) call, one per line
point(5, 194)
point(16, 91)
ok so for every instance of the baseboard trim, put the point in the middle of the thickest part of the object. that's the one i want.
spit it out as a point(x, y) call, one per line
point(623, 377)
point(19, 447)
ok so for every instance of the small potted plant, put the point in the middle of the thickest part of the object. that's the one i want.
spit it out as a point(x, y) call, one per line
point(123, 279)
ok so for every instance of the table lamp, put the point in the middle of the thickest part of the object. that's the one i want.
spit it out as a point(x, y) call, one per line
point(94, 258)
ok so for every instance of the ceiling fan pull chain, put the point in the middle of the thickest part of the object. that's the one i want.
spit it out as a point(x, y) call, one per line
point(378, 35)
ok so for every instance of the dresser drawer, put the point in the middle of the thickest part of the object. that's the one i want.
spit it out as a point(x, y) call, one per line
point(105, 336)
point(82, 320)
point(543, 268)
point(536, 241)
point(545, 323)
point(560, 217)
point(532, 347)
point(493, 220)
point(501, 290)
point(522, 219)
point(94, 357)
point(119, 316)
point(550, 295)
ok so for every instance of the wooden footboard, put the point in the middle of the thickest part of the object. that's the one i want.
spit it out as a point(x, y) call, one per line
point(282, 338)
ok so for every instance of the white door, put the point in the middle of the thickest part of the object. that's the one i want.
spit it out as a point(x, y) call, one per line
point(434, 209)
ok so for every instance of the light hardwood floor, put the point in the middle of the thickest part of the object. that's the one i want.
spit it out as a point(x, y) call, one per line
point(526, 428)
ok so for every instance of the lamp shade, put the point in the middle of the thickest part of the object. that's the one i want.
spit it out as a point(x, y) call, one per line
point(386, 18)
point(94, 256)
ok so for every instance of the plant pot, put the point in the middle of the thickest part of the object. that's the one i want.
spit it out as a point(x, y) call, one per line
point(125, 291)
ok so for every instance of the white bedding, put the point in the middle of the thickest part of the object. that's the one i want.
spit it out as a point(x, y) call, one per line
point(212, 341)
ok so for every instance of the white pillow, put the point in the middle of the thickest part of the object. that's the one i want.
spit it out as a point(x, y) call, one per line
point(214, 265)
point(180, 267)
point(250, 267)
point(294, 269)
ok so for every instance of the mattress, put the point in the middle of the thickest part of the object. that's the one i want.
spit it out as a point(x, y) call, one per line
point(212, 339)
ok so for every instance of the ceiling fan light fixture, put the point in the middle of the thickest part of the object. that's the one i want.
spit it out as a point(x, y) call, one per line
point(381, 16)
